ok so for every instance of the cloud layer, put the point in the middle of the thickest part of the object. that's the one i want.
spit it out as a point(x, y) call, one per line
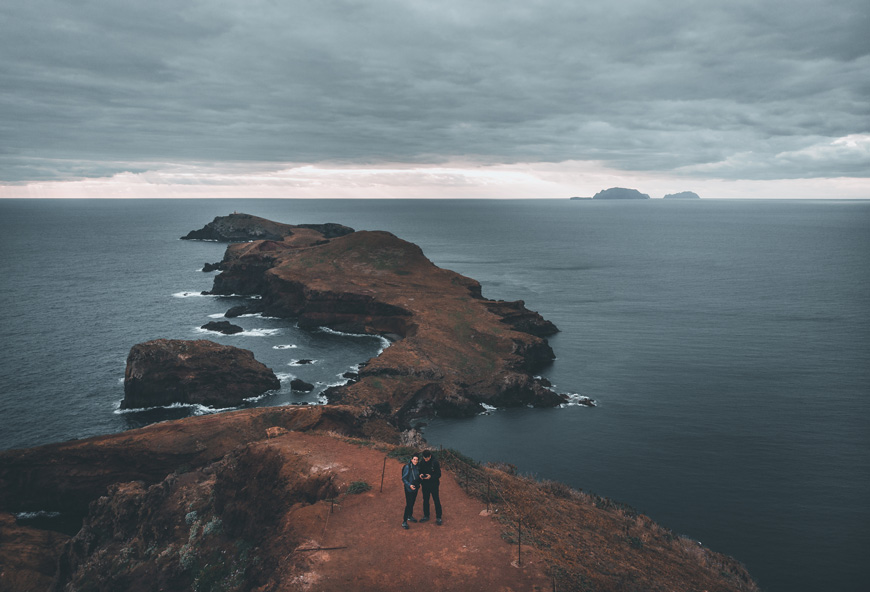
point(742, 90)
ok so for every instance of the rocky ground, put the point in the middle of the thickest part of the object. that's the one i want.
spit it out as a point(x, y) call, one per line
point(264, 500)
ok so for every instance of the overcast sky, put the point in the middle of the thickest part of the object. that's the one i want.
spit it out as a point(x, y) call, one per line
point(392, 98)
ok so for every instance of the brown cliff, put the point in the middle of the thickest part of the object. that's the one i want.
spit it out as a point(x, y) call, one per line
point(166, 371)
point(244, 501)
point(243, 227)
point(453, 349)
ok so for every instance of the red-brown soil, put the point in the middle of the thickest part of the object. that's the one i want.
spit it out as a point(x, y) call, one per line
point(368, 549)
point(244, 502)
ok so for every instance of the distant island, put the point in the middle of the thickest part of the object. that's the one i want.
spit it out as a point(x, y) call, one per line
point(620, 193)
point(573, 198)
point(683, 195)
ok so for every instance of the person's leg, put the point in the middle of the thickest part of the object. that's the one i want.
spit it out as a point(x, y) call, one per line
point(436, 499)
point(410, 498)
point(427, 491)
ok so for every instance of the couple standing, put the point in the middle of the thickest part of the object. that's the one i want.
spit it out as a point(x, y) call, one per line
point(425, 474)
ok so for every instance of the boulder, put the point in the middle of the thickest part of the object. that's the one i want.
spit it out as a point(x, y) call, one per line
point(225, 327)
point(164, 371)
point(300, 385)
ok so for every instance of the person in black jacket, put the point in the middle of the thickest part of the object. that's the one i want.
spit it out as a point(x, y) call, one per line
point(430, 477)
point(411, 481)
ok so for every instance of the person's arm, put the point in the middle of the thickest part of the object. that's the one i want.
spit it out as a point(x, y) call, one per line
point(436, 470)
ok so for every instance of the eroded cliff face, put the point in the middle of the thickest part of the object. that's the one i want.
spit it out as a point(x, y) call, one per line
point(453, 350)
point(215, 526)
point(259, 506)
point(67, 476)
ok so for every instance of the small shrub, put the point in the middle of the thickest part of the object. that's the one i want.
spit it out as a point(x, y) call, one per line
point(635, 542)
point(557, 489)
point(358, 487)
point(503, 467)
point(213, 526)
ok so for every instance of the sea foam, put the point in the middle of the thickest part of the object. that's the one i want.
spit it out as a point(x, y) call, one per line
point(197, 408)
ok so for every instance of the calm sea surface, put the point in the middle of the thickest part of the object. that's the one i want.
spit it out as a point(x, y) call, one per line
point(726, 342)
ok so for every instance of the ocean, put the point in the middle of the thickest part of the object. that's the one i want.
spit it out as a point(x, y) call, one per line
point(726, 343)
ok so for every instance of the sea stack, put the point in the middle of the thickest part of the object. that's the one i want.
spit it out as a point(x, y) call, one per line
point(165, 371)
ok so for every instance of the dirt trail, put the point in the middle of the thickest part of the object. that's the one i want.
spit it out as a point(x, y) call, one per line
point(368, 549)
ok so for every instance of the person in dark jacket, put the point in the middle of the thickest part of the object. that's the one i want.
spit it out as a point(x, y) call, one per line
point(430, 476)
point(411, 481)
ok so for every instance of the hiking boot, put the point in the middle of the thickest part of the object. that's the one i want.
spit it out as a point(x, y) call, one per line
point(424, 518)
point(438, 521)
point(412, 519)
point(405, 525)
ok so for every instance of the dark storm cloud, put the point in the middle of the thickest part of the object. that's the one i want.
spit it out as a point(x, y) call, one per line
point(739, 90)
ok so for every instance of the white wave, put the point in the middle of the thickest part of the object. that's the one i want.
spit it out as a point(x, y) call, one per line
point(39, 514)
point(219, 315)
point(259, 332)
point(284, 346)
point(201, 330)
point(246, 333)
point(282, 376)
point(341, 382)
point(487, 409)
point(192, 295)
point(577, 400)
point(198, 409)
point(385, 343)
point(261, 396)
point(296, 363)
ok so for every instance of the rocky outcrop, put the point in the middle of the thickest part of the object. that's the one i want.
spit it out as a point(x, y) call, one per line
point(224, 327)
point(300, 385)
point(620, 193)
point(453, 350)
point(67, 476)
point(261, 505)
point(195, 531)
point(521, 318)
point(683, 195)
point(163, 372)
point(243, 227)
point(28, 556)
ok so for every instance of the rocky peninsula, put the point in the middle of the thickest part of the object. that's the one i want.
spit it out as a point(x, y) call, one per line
point(300, 498)
point(453, 350)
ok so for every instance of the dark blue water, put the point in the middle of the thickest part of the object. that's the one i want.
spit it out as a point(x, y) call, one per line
point(726, 342)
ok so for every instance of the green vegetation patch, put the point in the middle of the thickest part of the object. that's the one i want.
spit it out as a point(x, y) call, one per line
point(358, 487)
